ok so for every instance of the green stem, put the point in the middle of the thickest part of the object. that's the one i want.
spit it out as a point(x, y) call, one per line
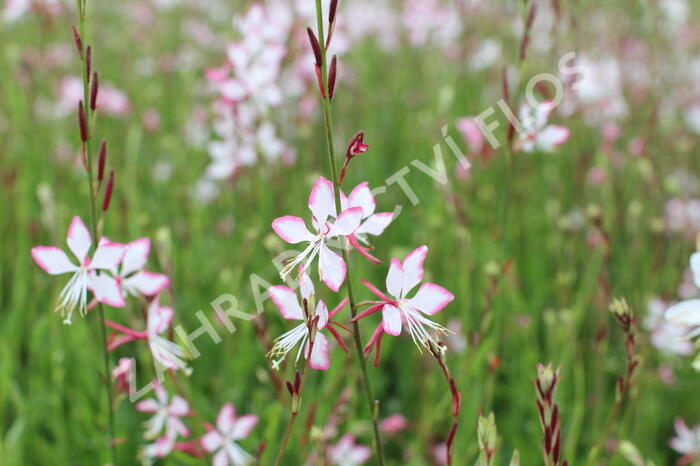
point(81, 5)
point(357, 337)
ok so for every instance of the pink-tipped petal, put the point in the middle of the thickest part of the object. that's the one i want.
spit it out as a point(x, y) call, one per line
point(79, 239)
point(395, 279)
point(135, 256)
point(413, 268)
point(321, 201)
point(159, 318)
point(361, 196)
point(53, 260)
point(243, 426)
point(211, 441)
point(322, 313)
point(220, 458)
point(376, 224)
point(348, 221)
point(292, 229)
point(319, 353)
point(179, 406)
point(431, 298)
point(552, 136)
point(147, 283)
point(331, 268)
point(107, 256)
point(106, 290)
point(286, 301)
point(148, 406)
point(391, 320)
point(226, 418)
point(306, 285)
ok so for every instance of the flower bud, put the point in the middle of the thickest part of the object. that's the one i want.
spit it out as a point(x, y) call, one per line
point(78, 42)
point(101, 160)
point(93, 91)
point(108, 191)
point(315, 46)
point(88, 61)
point(82, 122)
point(331, 76)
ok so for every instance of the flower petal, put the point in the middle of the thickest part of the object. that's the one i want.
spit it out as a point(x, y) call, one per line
point(107, 256)
point(347, 222)
point(159, 318)
point(211, 441)
point(53, 260)
point(552, 135)
point(221, 458)
point(322, 313)
point(376, 224)
point(391, 319)
point(147, 283)
point(695, 268)
point(395, 279)
point(79, 239)
point(148, 406)
point(413, 268)
point(179, 406)
point(243, 425)
point(331, 268)
point(135, 256)
point(226, 418)
point(321, 201)
point(685, 312)
point(306, 286)
point(286, 301)
point(361, 196)
point(319, 353)
point(431, 299)
point(106, 290)
point(292, 229)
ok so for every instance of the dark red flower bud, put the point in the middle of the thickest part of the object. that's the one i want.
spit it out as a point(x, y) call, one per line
point(332, 11)
point(82, 122)
point(78, 42)
point(332, 75)
point(108, 191)
point(297, 381)
point(94, 90)
point(315, 46)
point(88, 61)
point(290, 388)
point(101, 160)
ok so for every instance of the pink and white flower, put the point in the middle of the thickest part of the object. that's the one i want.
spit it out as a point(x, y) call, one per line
point(286, 301)
point(666, 336)
point(122, 375)
point(331, 266)
point(398, 310)
point(166, 414)
point(536, 134)
point(229, 430)
point(132, 277)
point(686, 441)
point(347, 453)
point(687, 313)
point(74, 295)
point(372, 223)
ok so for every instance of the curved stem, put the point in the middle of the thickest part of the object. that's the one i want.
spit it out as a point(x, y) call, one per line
point(328, 125)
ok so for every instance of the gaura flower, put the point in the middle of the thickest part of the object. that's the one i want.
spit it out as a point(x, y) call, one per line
point(347, 453)
point(222, 439)
point(286, 301)
point(166, 353)
point(131, 275)
point(74, 295)
point(666, 336)
point(687, 313)
point(166, 414)
point(371, 224)
point(122, 375)
point(331, 266)
point(536, 134)
point(686, 441)
point(398, 310)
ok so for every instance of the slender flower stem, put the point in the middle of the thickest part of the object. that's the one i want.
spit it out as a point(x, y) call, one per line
point(328, 124)
point(82, 7)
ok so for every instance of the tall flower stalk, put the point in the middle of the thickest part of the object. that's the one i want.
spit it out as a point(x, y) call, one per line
point(326, 94)
point(86, 114)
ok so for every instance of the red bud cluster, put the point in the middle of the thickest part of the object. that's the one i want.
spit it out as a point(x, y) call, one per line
point(548, 410)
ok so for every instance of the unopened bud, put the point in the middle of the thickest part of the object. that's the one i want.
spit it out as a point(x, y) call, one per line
point(82, 122)
point(486, 434)
point(88, 61)
point(101, 160)
point(547, 378)
point(331, 76)
point(315, 46)
point(78, 42)
point(108, 191)
point(93, 91)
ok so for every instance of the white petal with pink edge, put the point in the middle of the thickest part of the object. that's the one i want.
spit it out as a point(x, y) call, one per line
point(331, 268)
point(376, 224)
point(221, 459)
point(211, 441)
point(361, 196)
point(148, 406)
point(306, 285)
point(391, 320)
point(179, 406)
point(79, 239)
point(292, 229)
point(395, 279)
point(286, 301)
point(322, 313)
point(226, 418)
point(413, 268)
point(321, 201)
point(430, 298)
point(107, 256)
point(319, 353)
point(147, 283)
point(135, 256)
point(348, 221)
point(552, 136)
point(53, 260)
point(243, 426)
point(106, 290)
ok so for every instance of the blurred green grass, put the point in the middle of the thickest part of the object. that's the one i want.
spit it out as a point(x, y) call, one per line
point(548, 308)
